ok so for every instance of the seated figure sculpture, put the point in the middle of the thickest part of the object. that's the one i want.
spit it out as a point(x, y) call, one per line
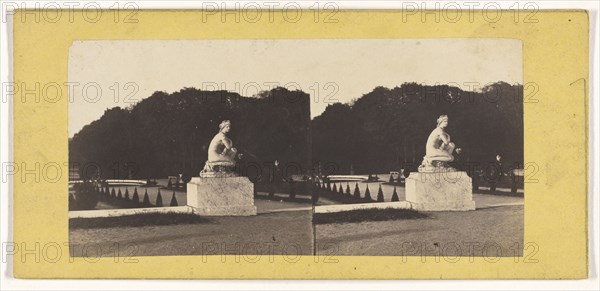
point(221, 154)
point(439, 149)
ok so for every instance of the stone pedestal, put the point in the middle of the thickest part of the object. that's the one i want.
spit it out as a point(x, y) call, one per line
point(227, 196)
point(440, 191)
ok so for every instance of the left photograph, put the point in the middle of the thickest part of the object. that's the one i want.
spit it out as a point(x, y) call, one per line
point(187, 148)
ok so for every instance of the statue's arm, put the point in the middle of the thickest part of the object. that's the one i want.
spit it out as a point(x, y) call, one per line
point(227, 143)
point(445, 137)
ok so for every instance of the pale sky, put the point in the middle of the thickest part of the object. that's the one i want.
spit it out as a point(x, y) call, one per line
point(331, 70)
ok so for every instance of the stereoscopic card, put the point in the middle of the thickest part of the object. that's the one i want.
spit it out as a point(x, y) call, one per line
point(300, 144)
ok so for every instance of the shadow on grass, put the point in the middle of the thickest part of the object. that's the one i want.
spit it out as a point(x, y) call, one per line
point(284, 199)
point(148, 219)
point(362, 215)
point(342, 198)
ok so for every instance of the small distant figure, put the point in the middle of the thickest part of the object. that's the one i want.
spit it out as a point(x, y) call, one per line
point(496, 173)
point(277, 173)
point(458, 151)
point(458, 159)
point(394, 177)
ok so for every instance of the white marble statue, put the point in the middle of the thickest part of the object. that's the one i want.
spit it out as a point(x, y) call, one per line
point(439, 148)
point(221, 154)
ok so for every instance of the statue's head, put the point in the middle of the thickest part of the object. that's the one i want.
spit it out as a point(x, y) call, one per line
point(442, 121)
point(225, 126)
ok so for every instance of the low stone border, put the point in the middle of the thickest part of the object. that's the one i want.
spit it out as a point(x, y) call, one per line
point(307, 208)
point(500, 205)
point(350, 207)
point(176, 209)
point(115, 182)
point(128, 211)
point(348, 178)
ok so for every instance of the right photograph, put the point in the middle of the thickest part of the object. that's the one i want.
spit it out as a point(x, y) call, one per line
point(428, 160)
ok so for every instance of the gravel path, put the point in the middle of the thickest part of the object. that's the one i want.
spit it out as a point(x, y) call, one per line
point(273, 233)
point(493, 231)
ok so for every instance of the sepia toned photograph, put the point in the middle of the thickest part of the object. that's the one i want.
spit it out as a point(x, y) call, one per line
point(320, 142)
point(428, 159)
point(199, 157)
point(360, 147)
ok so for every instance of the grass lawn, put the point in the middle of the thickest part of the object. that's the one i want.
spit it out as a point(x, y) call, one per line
point(363, 215)
point(148, 219)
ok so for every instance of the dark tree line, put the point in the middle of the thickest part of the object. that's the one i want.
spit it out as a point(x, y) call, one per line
point(386, 129)
point(167, 134)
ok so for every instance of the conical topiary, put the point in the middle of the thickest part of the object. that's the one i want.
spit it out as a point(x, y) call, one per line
point(146, 201)
point(173, 200)
point(395, 195)
point(348, 189)
point(120, 195)
point(341, 190)
point(126, 193)
point(368, 194)
point(391, 178)
point(334, 188)
point(112, 193)
point(380, 195)
point(106, 191)
point(158, 200)
point(328, 186)
point(170, 185)
point(136, 196)
point(356, 191)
